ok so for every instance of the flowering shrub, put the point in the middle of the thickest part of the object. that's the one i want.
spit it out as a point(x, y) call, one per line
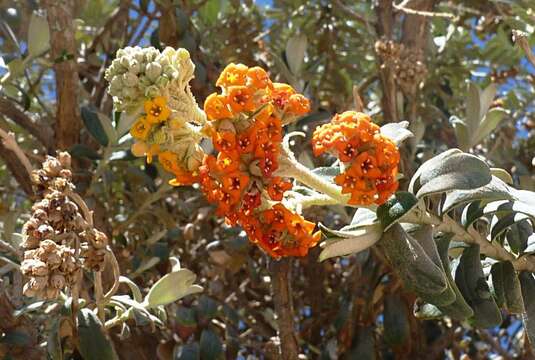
point(331, 173)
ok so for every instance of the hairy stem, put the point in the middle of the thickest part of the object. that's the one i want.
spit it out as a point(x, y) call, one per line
point(470, 236)
point(282, 297)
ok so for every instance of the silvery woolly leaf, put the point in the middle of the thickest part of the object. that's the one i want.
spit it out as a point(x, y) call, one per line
point(172, 287)
point(351, 242)
point(397, 132)
point(451, 170)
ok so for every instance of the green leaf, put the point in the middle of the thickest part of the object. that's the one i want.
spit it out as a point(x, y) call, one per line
point(189, 352)
point(485, 99)
point(496, 189)
point(94, 125)
point(107, 125)
point(417, 271)
point(397, 132)
point(461, 133)
point(527, 283)
point(16, 68)
point(211, 347)
point(470, 279)
point(349, 242)
point(473, 107)
point(38, 36)
point(502, 174)
point(518, 236)
point(396, 321)
point(363, 217)
point(210, 11)
point(423, 234)
point(451, 170)
point(172, 287)
point(501, 224)
point(207, 307)
point(395, 208)
point(94, 345)
point(295, 52)
point(82, 151)
point(136, 292)
point(458, 309)
point(491, 120)
point(498, 287)
point(512, 289)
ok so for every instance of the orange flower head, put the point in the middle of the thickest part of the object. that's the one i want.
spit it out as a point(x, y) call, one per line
point(217, 107)
point(371, 159)
point(156, 110)
point(233, 74)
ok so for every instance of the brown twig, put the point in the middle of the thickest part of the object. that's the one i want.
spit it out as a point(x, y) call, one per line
point(520, 38)
point(16, 161)
point(42, 133)
point(282, 298)
point(402, 7)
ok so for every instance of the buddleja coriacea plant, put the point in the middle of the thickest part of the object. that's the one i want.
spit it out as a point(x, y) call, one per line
point(459, 236)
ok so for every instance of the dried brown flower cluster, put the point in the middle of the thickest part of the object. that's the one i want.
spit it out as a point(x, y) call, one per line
point(59, 238)
point(407, 64)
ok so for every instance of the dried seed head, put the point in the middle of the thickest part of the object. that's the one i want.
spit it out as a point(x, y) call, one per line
point(56, 226)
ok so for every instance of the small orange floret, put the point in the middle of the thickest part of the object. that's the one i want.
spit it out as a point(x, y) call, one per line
point(281, 94)
point(233, 74)
point(141, 128)
point(258, 78)
point(276, 188)
point(240, 98)
point(225, 141)
point(216, 107)
point(298, 104)
point(156, 110)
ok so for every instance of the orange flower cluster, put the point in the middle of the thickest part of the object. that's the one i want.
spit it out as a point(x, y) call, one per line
point(371, 158)
point(149, 131)
point(245, 123)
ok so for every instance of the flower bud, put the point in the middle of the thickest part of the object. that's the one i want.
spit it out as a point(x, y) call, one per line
point(129, 79)
point(152, 91)
point(183, 54)
point(153, 71)
point(134, 67)
point(162, 81)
